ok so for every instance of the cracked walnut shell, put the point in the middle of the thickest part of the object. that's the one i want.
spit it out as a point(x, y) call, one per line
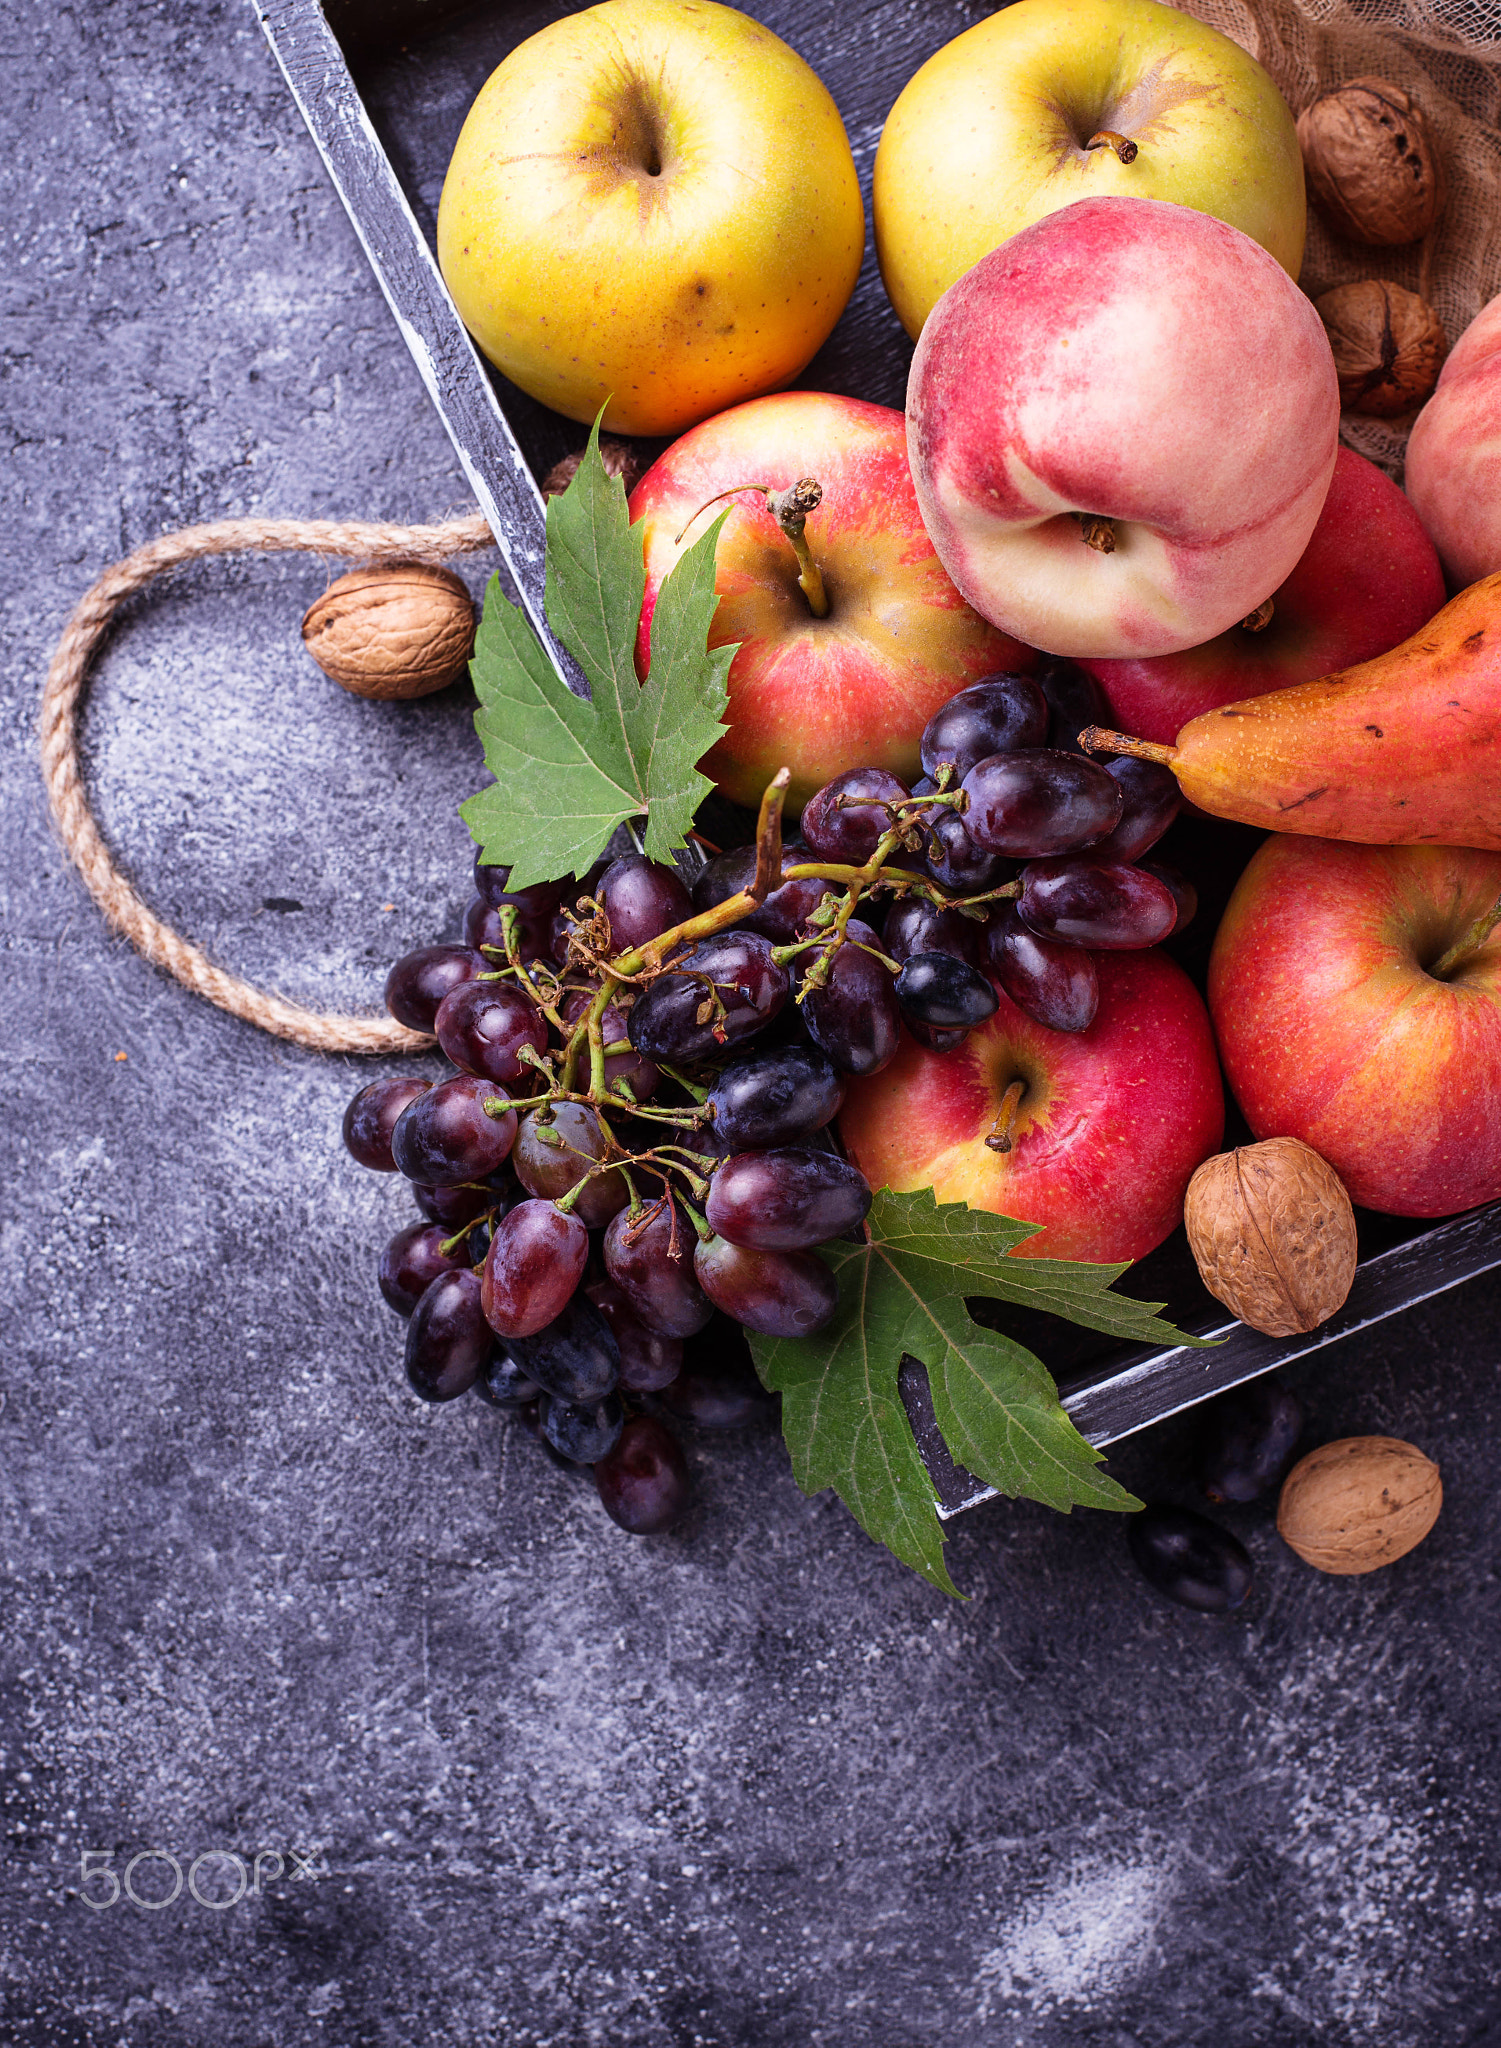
point(1356, 1505)
point(1388, 346)
point(1371, 162)
point(1273, 1233)
point(398, 631)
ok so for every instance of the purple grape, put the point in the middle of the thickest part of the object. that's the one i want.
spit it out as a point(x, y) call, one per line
point(448, 1339)
point(934, 1038)
point(643, 1482)
point(555, 1150)
point(778, 1294)
point(641, 900)
point(445, 1136)
point(1251, 1435)
point(650, 1259)
point(775, 1097)
point(583, 1431)
point(413, 1260)
point(1041, 802)
point(785, 911)
point(853, 1017)
point(575, 1356)
point(1053, 984)
point(538, 902)
point(484, 931)
point(1152, 801)
point(536, 1259)
point(737, 968)
point(786, 1200)
point(1189, 1559)
point(484, 1025)
point(419, 981)
point(1185, 896)
point(1074, 700)
point(372, 1117)
point(848, 815)
point(459, 1204)
point(914, 925)
point(945, 993)
point(648, 1360)
point(718, 1387)
point(1086, 902)
point(1000, 714)
point(503, 1384)
point(953, 859)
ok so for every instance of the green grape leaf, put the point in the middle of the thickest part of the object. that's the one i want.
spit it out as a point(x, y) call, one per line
point(569, 770)
point(904, 1292)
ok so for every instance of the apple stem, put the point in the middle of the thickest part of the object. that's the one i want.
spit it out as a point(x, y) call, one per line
point(1124, 147)
point(1261, 618)
point(1468, 943)
point(1098, 739)
point(1098, 532)
point(1000, 1131)
point(790, 509)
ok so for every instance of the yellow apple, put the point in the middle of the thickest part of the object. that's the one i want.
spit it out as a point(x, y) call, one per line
point(651, 203)
point(996, 130)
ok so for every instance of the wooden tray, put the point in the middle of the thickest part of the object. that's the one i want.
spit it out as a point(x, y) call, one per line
point(384, 86)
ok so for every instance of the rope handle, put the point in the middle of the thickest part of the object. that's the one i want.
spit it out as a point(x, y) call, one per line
point(69, 802)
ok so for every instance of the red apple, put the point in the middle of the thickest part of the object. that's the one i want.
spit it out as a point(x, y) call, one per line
point(1368, 579)
point(1137, 374)
point(1111, 1126)
point(820, 695)
point(1334, 1028)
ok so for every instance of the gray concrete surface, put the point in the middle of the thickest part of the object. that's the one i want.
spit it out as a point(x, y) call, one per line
point(531, 1782)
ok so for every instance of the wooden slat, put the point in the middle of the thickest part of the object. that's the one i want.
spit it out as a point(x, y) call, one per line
point(408, 274)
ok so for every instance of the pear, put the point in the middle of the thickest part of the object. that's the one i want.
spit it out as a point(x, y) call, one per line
point(1404, 750)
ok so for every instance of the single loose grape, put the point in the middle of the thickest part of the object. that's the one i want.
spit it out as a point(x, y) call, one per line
point(1189, 1559)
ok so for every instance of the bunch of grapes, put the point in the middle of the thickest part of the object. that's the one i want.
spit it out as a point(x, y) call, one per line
point(636, 1149)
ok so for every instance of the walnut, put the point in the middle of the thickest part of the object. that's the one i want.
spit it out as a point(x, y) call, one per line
point(1388, 346)
point(1358, 1504)
point(1371, 162)
point(1274, 1234)
point(619, 458)
point(401, 630)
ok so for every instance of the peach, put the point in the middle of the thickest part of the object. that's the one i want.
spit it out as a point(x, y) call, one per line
point(1136, 374)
